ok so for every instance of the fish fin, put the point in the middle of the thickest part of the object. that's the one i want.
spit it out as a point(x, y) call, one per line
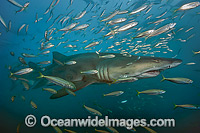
point(133, 38)
point(163, 78)
point(34, 66)
point(193, 52)
point(176, 10)
point(175, 106)
point(41, 75)
point(40, 83)
point(138, 93)
point(58, 56)
point(11, 74)
point(79, 85)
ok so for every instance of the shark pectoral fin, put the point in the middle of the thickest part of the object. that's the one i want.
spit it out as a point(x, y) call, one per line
point(79, 85)
point(42, 82)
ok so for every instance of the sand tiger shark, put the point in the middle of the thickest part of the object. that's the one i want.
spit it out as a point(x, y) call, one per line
point(117, 69)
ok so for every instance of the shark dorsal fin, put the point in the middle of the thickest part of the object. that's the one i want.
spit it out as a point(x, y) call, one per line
point(59, 57)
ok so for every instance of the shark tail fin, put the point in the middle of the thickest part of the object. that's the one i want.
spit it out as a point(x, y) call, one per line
point(138, 93)
point(41, 75)
point(175, 106)
point(163, 78)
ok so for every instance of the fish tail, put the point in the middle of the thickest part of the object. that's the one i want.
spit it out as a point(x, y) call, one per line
point(138, 93)
point(163, 78)
point(103, 95)
point(193, 52)
point(133, 38)
point(175, 106)
point(41, 75)
point(176, 10)
point(11, 74)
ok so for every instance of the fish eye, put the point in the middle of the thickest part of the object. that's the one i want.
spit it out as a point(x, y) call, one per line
point(169, 66)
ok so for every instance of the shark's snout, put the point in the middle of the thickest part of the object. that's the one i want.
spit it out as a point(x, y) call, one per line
point(176, 62)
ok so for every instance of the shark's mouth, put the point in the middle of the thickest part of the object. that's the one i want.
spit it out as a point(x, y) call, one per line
point(148, 74)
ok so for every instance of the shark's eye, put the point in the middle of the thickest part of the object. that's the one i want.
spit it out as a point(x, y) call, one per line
point(169, 66)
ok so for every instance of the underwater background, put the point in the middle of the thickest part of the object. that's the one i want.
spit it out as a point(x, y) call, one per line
point(181, 45)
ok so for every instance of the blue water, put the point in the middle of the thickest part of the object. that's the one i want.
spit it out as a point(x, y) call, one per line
point(71, 107)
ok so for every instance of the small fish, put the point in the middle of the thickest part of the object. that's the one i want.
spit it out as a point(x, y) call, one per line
point(69, 131)
point(195, 53)
point(13, 98)
point(80, 15)
point(58, 62)
point(44, 62)
point(89, 72)
point(123, 12)
point(101, 131)
point(191, 63)
point(107, 56)
point(111, 129)
point(52, 91)
point(59, 81)
point(18, 127)
point(144, 34)
point(143, 7)
point(29, 55)
point(187, 106)
point(178, 80)
point(162, 29)
point(22, 71)
point(3, 22)
point(69, 27)
point(9, 25)
point(21, 28)
point(91, 45)
point(111, 16)
point(126, 27)
point(57, 129)
point(92, 111)
point(70, 91)
point(70, 63)
point(80, 27)
point(27, 29)
point(22, 61)
point(115, 93)
point(33, 105)
point(23, 79)
point(116, 21)
point(24, 7)
point(45, 52)
point(150, 130)
point(12, 53)
point(26, 85)
point(23, 98)
point(15, 3)
point(151, 92)
point(124, 101)
point(188, 6)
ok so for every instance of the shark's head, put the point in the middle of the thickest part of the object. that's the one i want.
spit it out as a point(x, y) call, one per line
point(135, 67)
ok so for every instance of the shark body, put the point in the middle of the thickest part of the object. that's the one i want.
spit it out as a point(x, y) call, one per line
point(119, 68)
